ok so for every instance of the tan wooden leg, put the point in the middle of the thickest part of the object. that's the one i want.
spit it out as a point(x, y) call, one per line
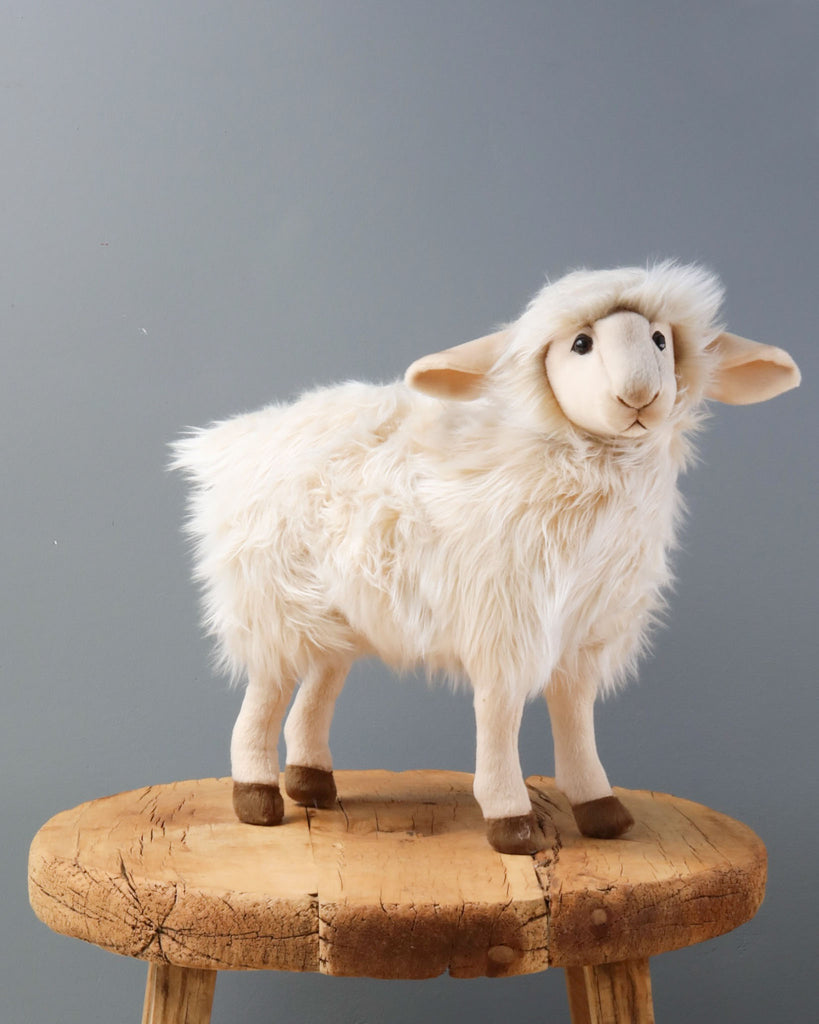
point(578, 1000)
point(611, 993)
point(178, 995)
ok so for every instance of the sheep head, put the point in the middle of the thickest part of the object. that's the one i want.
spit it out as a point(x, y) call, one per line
point(616, 353)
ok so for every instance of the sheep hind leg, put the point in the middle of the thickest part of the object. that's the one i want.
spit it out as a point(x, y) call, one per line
point(308, 775)
point(254, 755)
point(598, 813)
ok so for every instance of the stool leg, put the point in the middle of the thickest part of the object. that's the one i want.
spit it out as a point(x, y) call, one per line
point(178, 995)
point(611, 993)
point(578, 1000)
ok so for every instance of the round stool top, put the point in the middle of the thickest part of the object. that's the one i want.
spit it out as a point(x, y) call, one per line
point(397, 882)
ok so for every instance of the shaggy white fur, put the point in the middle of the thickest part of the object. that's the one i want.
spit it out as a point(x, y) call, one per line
point(505, 515)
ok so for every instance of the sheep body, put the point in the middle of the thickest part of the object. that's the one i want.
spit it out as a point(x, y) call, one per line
point(341, 524)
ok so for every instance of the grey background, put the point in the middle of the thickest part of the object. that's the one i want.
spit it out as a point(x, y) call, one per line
point(208, 206)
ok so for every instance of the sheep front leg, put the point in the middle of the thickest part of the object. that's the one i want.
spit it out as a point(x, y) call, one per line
point(511, 827)
point(308, 775)
point(254, 757)
point(578, 771)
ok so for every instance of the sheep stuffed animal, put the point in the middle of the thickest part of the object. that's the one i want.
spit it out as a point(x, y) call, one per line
point(504, 514)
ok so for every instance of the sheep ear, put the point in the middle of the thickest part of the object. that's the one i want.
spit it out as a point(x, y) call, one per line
point(749, 372)
point(457, 372)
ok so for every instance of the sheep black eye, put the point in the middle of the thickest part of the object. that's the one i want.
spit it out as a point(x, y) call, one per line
point(582, 344)
point(659, 340)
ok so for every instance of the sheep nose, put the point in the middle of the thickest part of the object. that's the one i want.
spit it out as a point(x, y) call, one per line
point(637, 399)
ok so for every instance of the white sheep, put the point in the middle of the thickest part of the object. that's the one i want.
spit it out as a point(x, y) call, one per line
point(505, 514)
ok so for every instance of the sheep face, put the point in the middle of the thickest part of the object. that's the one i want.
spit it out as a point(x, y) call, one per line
point(615, 377)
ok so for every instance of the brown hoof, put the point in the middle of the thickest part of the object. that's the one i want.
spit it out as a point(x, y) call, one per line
point(515, 835)
point(310, 787)
point(605, 818)
point(258, 803)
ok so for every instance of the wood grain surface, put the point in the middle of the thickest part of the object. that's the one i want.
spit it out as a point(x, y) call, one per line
point(397, 881)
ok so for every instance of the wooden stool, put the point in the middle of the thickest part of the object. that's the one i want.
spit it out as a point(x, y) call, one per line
point(397, 882)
